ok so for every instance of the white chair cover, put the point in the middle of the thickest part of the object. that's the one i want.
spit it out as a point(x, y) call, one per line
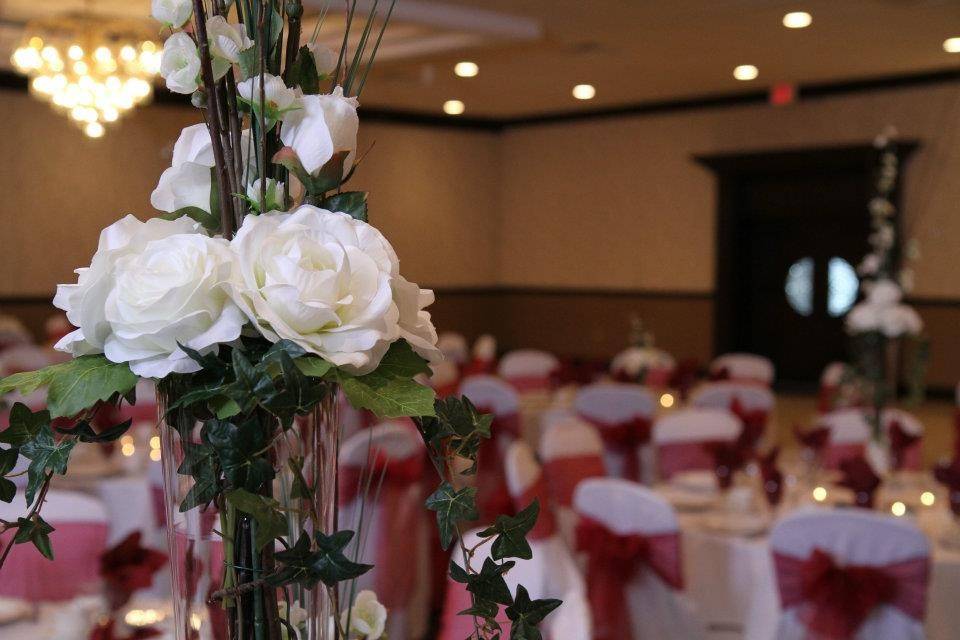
point(528, 368)
point(678, 438)
point(395, 441)
point(721, 395)
point(610, 405)
point(485, 348)
point(491, 392)
point(454, 347)
point(847, 426)
point(854, 537)
point(745, 366)
point(627, 508)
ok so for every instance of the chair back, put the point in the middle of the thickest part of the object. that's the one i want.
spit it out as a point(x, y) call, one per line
point(454, 347)
point(444, 377)
point(81, 527)
point(656, 364)
point(529, 370)
point(485, 348)
point(911, 426)
point(680, 438)
point(743, 366)
point(850, 574)
point(849, 434)
point(623, 415)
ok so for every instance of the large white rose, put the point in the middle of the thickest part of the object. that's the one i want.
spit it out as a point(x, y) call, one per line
point(325, 125)
point(188, 181)
point(180, 64)
point(150, 286)
point(173, 13)
point(326, 282)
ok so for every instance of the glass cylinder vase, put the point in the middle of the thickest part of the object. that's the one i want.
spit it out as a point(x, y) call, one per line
point(217, 570)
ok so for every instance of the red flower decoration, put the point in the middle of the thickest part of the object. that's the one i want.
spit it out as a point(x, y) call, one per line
point(128, 567)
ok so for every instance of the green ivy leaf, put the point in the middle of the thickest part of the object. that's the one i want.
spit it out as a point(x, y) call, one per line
point(240, 449)
point(390, 391)
point(265, 511)
point(24, 425)
point(511, 534)
point(85, 433)
point(199, 462)
point(353, 203)
point(313, 366)
point(489, 584)
point(401, 361)
point(299, 489)
point(327, 564)
point(8, 460)
point(459, 425)
point(8, 490)
point(45, 454)
point(304, 73)
point(27, 382)
point(206, 219)
point(36, 531)
point(526, 614)
point(82, 382)
point(296, 396)
point(452, 506)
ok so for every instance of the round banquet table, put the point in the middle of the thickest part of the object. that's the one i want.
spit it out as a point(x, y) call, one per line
point(731, 580)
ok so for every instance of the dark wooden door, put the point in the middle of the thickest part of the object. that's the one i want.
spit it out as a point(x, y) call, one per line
point(791, 228)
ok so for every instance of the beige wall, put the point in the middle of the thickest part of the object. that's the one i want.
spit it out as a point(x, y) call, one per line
point(620, 203)
point(433, 192)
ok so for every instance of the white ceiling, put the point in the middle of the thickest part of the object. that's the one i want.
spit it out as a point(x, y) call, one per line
point(532, 52)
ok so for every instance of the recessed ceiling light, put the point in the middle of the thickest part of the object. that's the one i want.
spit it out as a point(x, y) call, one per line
point(584, 92)
point(797, 20)
point(454, 107)
point(951, 45)
point(746, 72)
point(466, 69)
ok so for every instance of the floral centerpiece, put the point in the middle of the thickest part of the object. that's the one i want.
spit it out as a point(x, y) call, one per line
point(256, 299)
point(882, 322)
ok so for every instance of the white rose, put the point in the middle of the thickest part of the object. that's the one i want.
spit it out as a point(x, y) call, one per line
point(188, 181)
point(324, 58)
point(416, 327)
point(884, 293)
point(325, 125)
point(863, 318)
point(278, 99)
point(368, 618)
point(273, 193)
point(900, 320)
point(180, 64)
point(150, 286)
point(321, 280)
point(173, 13)
point(226, 42)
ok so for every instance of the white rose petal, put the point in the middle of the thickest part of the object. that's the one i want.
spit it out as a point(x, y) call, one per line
point(326, 282)
point(227, 41)
point(150, 287)
point(277, 96)
point(325, 125)
point(273, 193)
point(173, 13)
point(368, 618)
point(180, 64)
point(416, 326)
point(324, 58)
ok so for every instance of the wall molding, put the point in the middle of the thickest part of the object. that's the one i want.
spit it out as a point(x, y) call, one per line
point(12, 81)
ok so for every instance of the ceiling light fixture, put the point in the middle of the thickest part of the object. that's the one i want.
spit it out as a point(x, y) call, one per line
point(454, 107)
point(466, 69)
point(746, 72)
point(951, 45)
point(584, 92)
point(797, 20)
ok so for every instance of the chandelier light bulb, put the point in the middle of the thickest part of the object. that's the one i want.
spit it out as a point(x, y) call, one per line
point(96, 130)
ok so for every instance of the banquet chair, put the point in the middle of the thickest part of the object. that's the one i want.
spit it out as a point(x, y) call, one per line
point(680, 439)
point(529, 370)
point(380, 480)
point(831, 381)
point(898, 418)
point(454, 347)
point(492, 395)
point(849, 434)
point(623, 415)
point(571, 452)
point(656, 365)
point(629, 542)
point(484, 356)
point(444, 378)
point(752, 403)
point(743, 366)
point(12, 332)
point(550, 573)
point(79, 539)
point(849, 574)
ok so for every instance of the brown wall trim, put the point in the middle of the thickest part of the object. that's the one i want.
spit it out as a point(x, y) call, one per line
point(573, 291)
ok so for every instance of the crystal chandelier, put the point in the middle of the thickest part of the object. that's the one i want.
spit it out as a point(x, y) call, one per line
point(91, 69)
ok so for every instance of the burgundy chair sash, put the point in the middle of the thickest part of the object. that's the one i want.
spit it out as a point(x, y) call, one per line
point(399, 509)
point(834, 454)
point(754, 422)
point(625, 439)
point(832, 601)
point(904, 448)
point(564, 474)
point(675, 457)
point(613, 561)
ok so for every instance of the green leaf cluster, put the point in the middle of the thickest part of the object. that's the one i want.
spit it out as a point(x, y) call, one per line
point(306, 564)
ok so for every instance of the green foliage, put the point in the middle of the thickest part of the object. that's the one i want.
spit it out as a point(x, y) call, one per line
point(206, 219)
point(240, 450)
point(353, 203)
point(79, 384)
point(525, 614)
point(46, 456)
point(327, 178)
point(24, 425)
point(8, 460)
point(85, 433)
point(200, 463)
point(511, 534)
point(304, 73)
point(265, 512)
point(37, 532)
point(390, 391)
point(452, 506)
point(306, 567)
